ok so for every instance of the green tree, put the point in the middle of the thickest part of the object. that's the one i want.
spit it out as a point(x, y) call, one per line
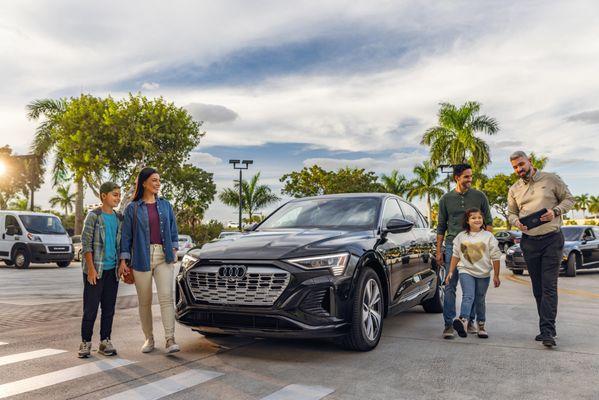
point(395, 183)
point(582, 203)
point(454, 139)
point(191, 190)
point(426, 185)
point(253, 196)
point(19, 204)
point(497, 189)
point(315, 181)
point(13, 179)
point(594, 204)
point(538, 161)
point(64, 199)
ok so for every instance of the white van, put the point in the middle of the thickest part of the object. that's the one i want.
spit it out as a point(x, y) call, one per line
point(31, 237)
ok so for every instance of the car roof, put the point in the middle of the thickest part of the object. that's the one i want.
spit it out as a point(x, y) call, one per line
point(27, 213)
point(348, 195)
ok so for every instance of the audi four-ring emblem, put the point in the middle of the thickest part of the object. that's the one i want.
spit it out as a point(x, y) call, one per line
point(232, 272)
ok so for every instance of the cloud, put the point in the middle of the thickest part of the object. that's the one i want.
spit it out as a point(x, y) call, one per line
point(211, 113)
point(150, 86)
point(203, 160)
point(404, 162)
point(587, 117)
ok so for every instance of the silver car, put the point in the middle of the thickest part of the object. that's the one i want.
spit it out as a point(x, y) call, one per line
point(185, 244)
point(77, 247)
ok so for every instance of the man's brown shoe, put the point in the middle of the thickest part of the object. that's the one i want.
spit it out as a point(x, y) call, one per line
point(472, 328)
point(448, 332)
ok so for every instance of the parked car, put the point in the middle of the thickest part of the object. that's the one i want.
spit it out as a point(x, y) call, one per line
point(185, 243)
point(228, 234)
point(77, 247)
point(33, 237)
point(507, 239)
point(581, 251)
point(326, 266)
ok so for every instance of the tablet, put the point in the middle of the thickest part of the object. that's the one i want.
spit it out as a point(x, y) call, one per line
point(533, 220)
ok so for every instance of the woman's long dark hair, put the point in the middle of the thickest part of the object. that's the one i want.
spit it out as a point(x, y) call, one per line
point(467, 215)
point(143, 176)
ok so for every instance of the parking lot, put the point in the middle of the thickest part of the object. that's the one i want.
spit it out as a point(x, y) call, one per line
point(40, 312)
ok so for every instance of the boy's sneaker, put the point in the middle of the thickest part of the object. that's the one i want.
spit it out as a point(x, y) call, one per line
point(461, 326)
point(106, 348)
point(549, 341)
point(540, 337)
point(85, 349)
point(482, 332)
point(171, 346)
point(472, 328)
point(148, 346)
point(448, 332)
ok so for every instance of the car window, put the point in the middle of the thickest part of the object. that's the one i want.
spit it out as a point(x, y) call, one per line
point(12, 221)
point(411, 215)
point(596, 231)
point(588, 233)
point(392, 211)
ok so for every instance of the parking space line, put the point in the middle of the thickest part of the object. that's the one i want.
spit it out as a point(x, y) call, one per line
point(300, 392)
point(56, 377)
point(167, 386)
point(14, 358)
point(573, 292)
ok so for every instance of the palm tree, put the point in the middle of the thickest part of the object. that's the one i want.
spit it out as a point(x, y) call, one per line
point(538, 162)
point(594, 204)
point(20, 204)
point(453, 141)
point(582, 203)
point(395, 183)
point(426, 184)
point(253, 196)
point(64, 198)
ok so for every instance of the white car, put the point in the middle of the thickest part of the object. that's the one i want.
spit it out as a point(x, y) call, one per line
point(185, 244)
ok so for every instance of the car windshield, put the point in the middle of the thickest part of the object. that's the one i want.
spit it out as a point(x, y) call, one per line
point(326, 213)
point(42, 224)
point(571, 234)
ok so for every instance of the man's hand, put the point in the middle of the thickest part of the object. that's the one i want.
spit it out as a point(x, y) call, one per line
point(124, 269)
point(496, 281)
point(548, 216)
point(439, 258)
point(522, 227)
point(92, 275)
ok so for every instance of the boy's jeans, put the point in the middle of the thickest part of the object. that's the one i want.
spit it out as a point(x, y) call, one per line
point(450, 289)
point(474, 291)
point(102, 293)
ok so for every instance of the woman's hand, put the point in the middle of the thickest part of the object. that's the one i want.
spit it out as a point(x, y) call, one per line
point(496, 281)
point(448, 278)
point(124, 269)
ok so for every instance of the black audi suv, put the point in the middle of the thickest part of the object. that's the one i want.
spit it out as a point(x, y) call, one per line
point(326, 266)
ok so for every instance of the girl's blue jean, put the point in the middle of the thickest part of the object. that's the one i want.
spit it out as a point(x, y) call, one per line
point(474, 291)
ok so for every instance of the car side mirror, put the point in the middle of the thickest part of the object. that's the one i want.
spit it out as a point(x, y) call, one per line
point(11, 230)
point(399, 226)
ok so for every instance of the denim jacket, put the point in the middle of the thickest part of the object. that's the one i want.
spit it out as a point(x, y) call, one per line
point(93, 239)
point(140, 259)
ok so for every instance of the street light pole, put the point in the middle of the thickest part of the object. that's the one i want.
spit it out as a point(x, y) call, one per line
point(246, 164)
point(447, 169)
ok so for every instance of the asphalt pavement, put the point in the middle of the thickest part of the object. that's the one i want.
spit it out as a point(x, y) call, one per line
point(40, 313)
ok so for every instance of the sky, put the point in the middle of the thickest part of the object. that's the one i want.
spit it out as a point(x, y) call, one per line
point(336, 83)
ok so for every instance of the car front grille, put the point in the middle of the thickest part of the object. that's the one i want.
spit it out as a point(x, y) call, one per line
point(260, 286)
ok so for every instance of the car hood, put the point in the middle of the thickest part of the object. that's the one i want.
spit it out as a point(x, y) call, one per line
point(281, 244)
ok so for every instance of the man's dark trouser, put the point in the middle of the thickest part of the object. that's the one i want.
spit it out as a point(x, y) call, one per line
point(543, 256)
point(102, 293)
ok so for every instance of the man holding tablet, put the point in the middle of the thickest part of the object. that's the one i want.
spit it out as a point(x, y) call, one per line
point(536, 203)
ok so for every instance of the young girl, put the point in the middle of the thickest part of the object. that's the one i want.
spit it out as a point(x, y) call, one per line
point(475, 254)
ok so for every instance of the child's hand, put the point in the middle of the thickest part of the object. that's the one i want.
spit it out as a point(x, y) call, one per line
point(448, 278)
point(496, 281)
point(124, 269)
point(92, 275)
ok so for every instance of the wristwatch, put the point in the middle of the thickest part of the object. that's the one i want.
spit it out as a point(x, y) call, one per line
point(557, 212)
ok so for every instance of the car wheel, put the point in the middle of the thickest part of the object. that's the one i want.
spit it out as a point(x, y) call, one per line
point(367, 315)
point(21, 258)
point(571, 266)
point(9, 262)
point(518, 271)
point(63, 264)
point(435, 303)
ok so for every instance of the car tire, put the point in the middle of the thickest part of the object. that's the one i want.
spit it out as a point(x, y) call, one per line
point(9, 263)
point(364, 333)
point(63, 264)
point(571, 265)
point(518, 271)
point(435, 303)
point(21, 258)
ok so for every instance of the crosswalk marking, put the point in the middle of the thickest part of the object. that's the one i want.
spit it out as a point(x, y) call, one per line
point(64, 375)
point(164, 387)
point(28, 356)
point(300, 392)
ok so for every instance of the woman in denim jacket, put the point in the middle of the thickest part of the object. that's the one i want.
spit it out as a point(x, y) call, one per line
point(150, 241)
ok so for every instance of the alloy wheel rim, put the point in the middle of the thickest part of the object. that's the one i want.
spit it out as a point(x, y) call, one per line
point(371, 310)
point(442, 276)
point(19, 260)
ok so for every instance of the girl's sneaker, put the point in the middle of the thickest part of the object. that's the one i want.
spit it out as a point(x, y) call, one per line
point(171, 346)
point(148, 346)
point(461, 326)
point(85, 349)
point(482, 333)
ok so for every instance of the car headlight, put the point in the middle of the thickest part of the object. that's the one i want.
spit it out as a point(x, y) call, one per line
point(335, 262)
point(188, 261)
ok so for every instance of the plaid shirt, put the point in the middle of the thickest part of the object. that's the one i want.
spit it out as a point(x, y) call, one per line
point(92, 239)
